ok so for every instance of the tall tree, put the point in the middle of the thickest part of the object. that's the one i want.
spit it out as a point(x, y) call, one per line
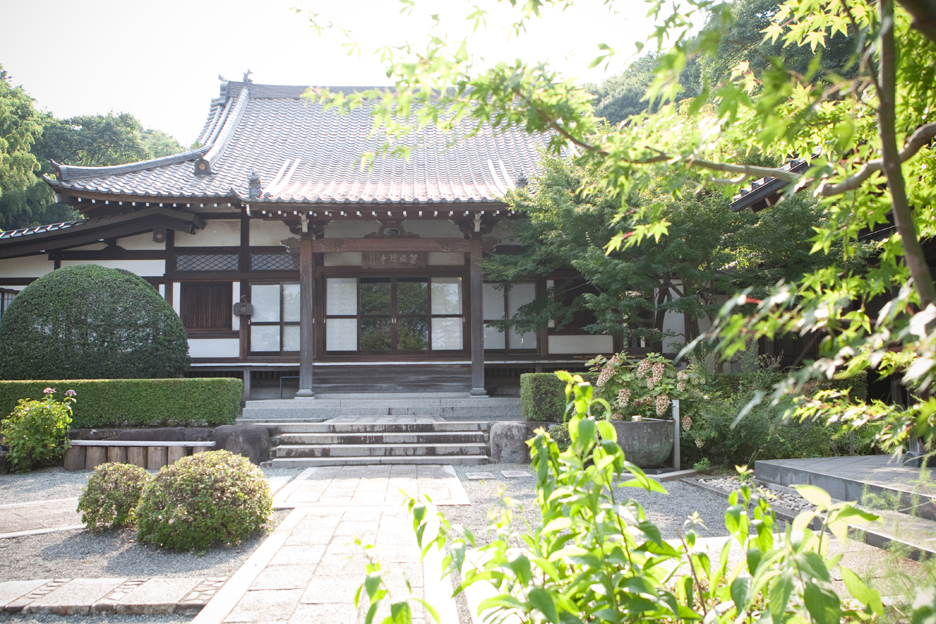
point(868, 137)
point(20, 127)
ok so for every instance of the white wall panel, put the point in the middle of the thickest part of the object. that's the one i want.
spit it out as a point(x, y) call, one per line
point(140, 241)
point(29, 266)
point(268, 233)
point(350, 228)
point(214, 347)
point(590, 344)
point(432, 228)
point(143, 268)
point(217, 233)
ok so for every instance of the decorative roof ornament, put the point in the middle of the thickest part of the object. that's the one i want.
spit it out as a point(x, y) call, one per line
point(247, 77)
point(202, 168)
point(522, 181)
point(253, 185)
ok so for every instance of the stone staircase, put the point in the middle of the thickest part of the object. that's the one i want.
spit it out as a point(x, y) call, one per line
point(359, 440)
point(903, 496)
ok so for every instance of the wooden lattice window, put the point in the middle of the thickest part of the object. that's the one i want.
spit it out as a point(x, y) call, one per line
point(206, 305)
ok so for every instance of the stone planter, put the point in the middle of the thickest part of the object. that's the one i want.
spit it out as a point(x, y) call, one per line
point(647, 443)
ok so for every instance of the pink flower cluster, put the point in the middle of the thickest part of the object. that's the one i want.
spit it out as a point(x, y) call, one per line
point(49, 391)
point(642, 368)
point(623, 397)
point(686, 423)
point(662, 403)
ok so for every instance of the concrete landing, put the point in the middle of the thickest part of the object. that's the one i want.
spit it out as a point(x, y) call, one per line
point(440, 405)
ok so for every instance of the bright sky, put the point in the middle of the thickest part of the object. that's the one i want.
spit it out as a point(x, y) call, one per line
point(160, 60)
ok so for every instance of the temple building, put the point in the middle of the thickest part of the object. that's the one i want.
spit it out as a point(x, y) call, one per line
point(292, 262)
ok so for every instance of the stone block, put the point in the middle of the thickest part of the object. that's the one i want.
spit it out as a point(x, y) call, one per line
point(75, 597)
point(251, 441)
point(767, 471)
point(508, 442)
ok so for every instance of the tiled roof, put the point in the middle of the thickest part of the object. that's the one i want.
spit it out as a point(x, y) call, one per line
point(307, 155)
point(41, 229)
point(765, 191)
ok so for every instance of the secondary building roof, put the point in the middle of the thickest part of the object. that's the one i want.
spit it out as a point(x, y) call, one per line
point(304, 154)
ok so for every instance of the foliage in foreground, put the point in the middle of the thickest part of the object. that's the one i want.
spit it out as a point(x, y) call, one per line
point(596, 558)
point(35, 433)
point(91, 322)
point(111, 496)
point(184, 402)
point(204, 499)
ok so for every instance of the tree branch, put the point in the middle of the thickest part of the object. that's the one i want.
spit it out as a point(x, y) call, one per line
point(891, 159)
point(746, 170)
point(924, 16)
point(920, 138)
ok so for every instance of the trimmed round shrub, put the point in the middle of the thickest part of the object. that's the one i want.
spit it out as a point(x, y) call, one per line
point(204, 499)
point(91, 322)
point(111, 496)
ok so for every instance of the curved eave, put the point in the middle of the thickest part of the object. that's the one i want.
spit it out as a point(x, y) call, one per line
point(68, 172)
point(93, 230)
point(229, 196)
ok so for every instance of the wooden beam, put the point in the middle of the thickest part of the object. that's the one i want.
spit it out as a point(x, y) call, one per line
point(340, 245)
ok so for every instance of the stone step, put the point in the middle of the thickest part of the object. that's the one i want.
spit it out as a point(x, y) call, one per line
point(377, 450)
point(854, 479)
point(280, 428)
point(313, 462)
point(427, 438)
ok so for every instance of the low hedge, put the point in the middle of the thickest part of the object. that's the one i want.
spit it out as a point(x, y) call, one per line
point(137, 402)
point(542, 396)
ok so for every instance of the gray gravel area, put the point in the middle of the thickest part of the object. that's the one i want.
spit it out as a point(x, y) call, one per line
point(46, 484)
point(53, 483)
point(668, 511)
point(79, 554)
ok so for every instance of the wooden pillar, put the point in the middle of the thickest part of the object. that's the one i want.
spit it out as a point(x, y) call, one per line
point(306, 327)
point(476, 284)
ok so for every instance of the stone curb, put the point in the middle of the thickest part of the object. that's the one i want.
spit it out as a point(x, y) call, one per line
point(142, 596)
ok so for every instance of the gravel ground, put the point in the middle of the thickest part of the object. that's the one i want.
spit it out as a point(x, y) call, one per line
point(668, 511)
point(46, 484)
point(786, 497)
point(77, 554)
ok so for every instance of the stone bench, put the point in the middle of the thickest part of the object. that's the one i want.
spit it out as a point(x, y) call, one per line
point(88, 454)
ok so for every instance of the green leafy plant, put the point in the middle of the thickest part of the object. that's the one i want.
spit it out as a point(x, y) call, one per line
point(645, 388)
point(35, 433)
point(204, 499)
point(596, 558)
point(121, 329)
point(201, 401)
point(703, 466)
point(110, 498)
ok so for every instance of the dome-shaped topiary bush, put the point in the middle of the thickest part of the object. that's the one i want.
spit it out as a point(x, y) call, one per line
point(91, 322)
point(204, 499)
point(111, 496)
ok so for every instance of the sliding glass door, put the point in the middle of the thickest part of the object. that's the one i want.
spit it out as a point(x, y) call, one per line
point(393, 315)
